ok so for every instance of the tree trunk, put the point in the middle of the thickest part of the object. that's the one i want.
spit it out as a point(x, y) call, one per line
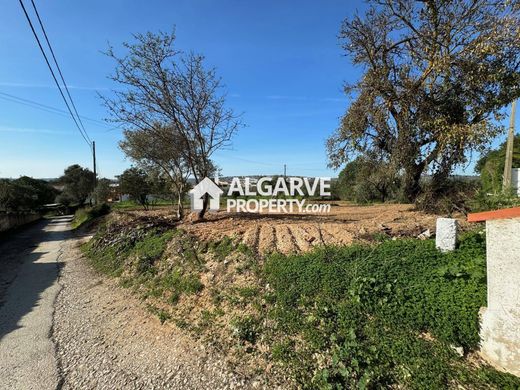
point(205, 205)
point(180, 210)
point(411, 182)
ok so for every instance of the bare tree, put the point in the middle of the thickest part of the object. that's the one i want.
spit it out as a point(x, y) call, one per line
point(436, 76)
point(162, 85)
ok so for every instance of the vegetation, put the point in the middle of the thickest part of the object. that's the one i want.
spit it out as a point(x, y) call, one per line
point(25, 194)
point(78, 184)
point(134, 254)
point(170, 95)
point(85, 215)
point(436, 76)
point(491, 167)
point(384, 316)
point(484, 201)
point(367, 180)
point(102, 192)
point(165, 155)
point(135, 183)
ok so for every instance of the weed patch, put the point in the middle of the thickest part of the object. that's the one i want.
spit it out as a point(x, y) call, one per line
point(356, 314)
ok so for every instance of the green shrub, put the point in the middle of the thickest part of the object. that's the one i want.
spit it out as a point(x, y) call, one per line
point(486, 201)
point(223, 247)
point(178, 282)
point(85, 215)
point(381, 316)
point(107, 259)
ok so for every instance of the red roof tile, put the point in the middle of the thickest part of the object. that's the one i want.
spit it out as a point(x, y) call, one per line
point(513, 212)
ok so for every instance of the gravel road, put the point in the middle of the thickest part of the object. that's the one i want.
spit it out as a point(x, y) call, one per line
point(64, 326)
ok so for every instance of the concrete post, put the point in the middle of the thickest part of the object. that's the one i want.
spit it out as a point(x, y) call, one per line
point(446, 234)
point(500, 327)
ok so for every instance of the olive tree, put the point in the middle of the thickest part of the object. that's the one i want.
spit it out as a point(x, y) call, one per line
point(436, 76)
point(160, 147)
point(134, 182)
point(78, 183)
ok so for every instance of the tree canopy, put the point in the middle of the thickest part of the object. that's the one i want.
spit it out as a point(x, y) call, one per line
point(135, 183)
point(491, 166)
point(78, 184)
point(160, 147)
point(25, 194)
point(436, 76)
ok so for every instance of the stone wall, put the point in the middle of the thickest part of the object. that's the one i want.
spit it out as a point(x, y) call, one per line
point(10, 221)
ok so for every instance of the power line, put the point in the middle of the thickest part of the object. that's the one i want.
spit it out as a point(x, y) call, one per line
point(47, 108)
point(53, 75)
point(59, 69)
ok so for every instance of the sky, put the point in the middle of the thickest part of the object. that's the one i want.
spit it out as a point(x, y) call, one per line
point(281, 63)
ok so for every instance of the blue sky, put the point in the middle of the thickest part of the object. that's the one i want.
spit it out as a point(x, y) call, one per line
point(280, 61)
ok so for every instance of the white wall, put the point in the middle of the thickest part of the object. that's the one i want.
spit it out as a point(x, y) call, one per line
point(515, 179)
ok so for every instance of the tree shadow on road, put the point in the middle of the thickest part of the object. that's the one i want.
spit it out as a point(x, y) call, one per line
point(25, 273)
point(26, 292)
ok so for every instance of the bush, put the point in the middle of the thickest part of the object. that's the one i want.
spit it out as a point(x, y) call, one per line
point(366, 180)
point(491, 166)
point(25, 194)
point(85, 215)
point(453, 196)
point(484, 201)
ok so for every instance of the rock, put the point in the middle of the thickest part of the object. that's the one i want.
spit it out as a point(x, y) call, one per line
point(458, 350)
point(424, 235)
point(446, 234)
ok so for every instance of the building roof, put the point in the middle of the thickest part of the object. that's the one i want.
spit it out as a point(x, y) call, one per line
point(513, 212)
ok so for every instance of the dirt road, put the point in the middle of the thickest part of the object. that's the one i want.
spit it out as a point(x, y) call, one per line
point(64, 326)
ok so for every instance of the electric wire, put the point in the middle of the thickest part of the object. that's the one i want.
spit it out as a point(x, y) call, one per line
point(53, 74)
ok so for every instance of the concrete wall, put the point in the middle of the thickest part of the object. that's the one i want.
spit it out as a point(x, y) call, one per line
point(500, 327)
point(11, 220)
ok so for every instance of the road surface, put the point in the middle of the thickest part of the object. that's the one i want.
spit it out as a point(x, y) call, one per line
point(29, 263)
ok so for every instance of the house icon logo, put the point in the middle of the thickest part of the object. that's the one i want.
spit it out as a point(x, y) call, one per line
point(206, 186)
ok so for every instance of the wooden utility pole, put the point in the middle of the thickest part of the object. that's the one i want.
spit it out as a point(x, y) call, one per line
point(506, 184)
point(284, 170)
point(94, 164)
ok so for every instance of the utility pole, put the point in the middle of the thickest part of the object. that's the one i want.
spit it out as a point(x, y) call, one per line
point(94, 163)
point(284, 170)
point(506, 184)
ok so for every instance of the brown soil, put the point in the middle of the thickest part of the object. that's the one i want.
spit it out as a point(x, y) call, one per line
point(288, 233)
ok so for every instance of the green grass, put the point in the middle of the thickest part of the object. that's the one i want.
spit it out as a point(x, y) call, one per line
point(380, 316)
point(138, 255)
point(131, 205)
point(149, 250)
point(84, 215)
